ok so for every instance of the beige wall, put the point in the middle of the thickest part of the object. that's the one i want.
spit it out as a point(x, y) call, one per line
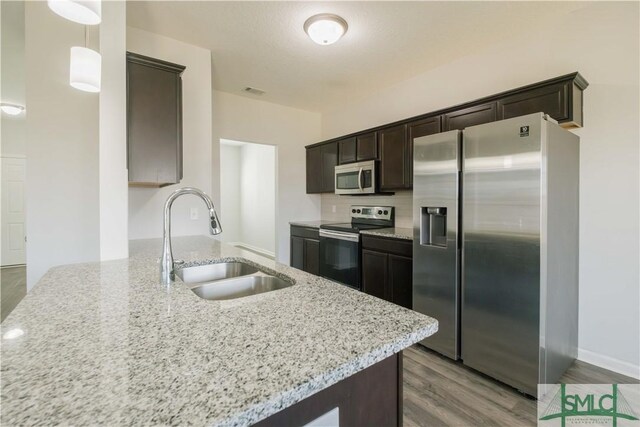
point(146, 204)
point(114, 239)
point(242, 119)
point(62, 148)
point(601, 40)
point(12, 84)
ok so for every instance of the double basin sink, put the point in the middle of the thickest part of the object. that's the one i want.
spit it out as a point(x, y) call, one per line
point(229, 280)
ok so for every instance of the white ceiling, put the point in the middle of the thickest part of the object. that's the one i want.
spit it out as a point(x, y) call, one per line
point(263, 45)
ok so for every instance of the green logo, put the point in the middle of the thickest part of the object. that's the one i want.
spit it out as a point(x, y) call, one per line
point(586, 407)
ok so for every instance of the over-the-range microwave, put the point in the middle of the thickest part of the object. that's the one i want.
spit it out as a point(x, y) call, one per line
point(356, 178)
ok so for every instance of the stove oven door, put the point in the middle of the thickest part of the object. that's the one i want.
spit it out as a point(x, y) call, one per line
point(340, 257)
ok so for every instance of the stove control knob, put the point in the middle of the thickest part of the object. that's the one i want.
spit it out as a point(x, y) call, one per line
point(379, 212)
point(358, 211)
point(353, 211)
point(386, 212)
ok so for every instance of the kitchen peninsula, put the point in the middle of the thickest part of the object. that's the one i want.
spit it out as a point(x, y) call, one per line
point(104, 343)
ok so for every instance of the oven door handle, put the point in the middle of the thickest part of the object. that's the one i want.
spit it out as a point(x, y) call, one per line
point(340, 235)
point(360, 180)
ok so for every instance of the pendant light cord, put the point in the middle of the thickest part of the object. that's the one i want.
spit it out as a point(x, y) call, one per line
point(86, 37)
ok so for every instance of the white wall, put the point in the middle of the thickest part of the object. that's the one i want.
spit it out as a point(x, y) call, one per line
point(258, 196)
point(114, 241)
point(242, 119)
point(248, 194)
point(229, 212)
point(62, 148)
point(146, 204)
point(601, 41)
point(12, 84)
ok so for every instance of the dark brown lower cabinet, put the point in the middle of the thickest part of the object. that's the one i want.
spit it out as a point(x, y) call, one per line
point(387, 269)
point(371, 397)
point(305, 249)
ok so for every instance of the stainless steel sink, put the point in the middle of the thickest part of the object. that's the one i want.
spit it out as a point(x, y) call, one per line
point(212, 272)
point(240, 287)
point(229, 280)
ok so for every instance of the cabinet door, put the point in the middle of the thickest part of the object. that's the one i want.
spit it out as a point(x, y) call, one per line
point(329, 162)
point(552, 100)
point(471, 116)
point(314, 170)
point(154, 121)
point(347, 151)
point(394, 158)
point(312, 256)
point(401, 280)
point(374, 274)
point(415, 130)
point(367, 146)
point(296, 256)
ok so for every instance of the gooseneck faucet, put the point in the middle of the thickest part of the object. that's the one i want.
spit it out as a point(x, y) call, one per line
point(166, 263)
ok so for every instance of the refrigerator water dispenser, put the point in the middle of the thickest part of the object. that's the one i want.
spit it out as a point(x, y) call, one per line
point(433, 226)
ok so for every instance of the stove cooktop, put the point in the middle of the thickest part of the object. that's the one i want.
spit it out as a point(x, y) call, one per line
point(351, 227)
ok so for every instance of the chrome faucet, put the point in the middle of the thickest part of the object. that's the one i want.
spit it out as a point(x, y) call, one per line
point(166, 263)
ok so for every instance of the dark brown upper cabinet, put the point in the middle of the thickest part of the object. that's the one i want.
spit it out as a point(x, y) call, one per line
point(367, 146)
point(476, 115)
point(154, 121)
point(347, 151)
point(561, 101)
point(560, 97)
point(394, 158)
point(321, 163)
point(423, 127)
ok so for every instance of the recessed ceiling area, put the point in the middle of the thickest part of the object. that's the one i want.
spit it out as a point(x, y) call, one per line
point(263, 44)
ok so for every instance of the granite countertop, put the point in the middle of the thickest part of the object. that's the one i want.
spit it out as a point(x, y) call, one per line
point(391, 233)
point(104, 343)
point(311, 224)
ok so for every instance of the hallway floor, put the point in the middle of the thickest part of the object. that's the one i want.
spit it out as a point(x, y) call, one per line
point(13, 287)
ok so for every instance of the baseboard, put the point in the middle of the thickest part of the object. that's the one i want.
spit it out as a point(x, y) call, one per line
point(252, 248)
point(610, 363)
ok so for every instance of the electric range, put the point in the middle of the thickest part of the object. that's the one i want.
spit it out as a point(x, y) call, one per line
point(340, 243)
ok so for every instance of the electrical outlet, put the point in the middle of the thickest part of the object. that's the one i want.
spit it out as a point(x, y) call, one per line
point(194, 213)
point(333, 208)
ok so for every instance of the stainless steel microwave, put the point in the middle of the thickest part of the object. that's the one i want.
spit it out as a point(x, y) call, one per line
point(356, 178)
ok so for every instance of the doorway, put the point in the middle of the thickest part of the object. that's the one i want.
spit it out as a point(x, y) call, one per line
point(248, 196)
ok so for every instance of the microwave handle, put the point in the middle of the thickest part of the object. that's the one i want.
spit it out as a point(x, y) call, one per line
point(360, 180)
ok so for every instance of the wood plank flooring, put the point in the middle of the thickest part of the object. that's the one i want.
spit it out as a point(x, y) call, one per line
point(13, 287)
point(441, 392)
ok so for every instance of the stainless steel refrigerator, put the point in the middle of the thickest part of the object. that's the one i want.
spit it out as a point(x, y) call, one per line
point(496, 247)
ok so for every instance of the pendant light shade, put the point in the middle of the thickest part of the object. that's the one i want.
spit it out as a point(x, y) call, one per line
point(87, 12)
point(85, 69)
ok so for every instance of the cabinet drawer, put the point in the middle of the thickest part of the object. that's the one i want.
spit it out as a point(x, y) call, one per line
point(305, 232)
point(392, 246)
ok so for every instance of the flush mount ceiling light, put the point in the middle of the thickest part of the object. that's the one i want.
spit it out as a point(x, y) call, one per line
point(11, 109)
point(87, 12)
point(325, 28)
point(84, 72)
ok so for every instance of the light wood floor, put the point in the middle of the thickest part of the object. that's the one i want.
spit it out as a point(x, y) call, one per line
point(13, 287)
point(441, 392)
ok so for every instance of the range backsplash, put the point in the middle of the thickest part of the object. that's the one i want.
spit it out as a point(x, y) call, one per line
point(402, 201)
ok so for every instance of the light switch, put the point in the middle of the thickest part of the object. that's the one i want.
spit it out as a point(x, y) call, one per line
point(194, 213)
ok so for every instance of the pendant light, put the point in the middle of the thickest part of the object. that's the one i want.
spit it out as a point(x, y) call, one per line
point(85, 68)
point(87, 12)
point(325, 29)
